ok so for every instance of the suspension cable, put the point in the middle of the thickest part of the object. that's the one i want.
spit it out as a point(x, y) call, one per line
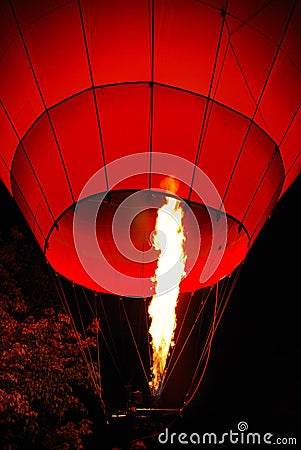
point(201, 308)
point(108, 347)
point(218, 313)
point(207, 347)
point(134, 340)
point(180, 331)
point(62, 296)
point(84, 332)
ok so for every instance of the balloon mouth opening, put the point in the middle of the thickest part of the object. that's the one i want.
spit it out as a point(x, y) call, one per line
point(125, 222)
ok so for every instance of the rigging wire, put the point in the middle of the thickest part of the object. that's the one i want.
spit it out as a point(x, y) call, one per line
point(62, 296)
point(97, 112)
point(148, 335)
point(223, 292)
point(201, 309)
point(219, 310)
point(207, 347)
point(100, 330)
point(83, 329)
point(179, 332)
point(208, 100)
point(114, 357)
point(134, 341)
point(97, 334)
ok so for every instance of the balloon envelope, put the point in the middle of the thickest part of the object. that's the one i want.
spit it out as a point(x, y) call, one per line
point(83, 84)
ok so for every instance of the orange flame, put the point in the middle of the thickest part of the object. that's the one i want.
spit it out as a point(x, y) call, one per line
point(170, 184)
point(169, 239)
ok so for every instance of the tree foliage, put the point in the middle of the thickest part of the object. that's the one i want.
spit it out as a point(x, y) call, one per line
point(43, 379)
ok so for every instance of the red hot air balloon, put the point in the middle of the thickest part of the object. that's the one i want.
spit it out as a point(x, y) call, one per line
point(109, 107)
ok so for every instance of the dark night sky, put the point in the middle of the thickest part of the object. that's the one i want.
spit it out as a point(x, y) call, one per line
point(254, 371)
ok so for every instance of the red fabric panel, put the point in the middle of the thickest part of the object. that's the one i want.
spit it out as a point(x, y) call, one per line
point(8, 138)
point(16, 77)
point(265, 215)
point(124, 117)
point(220, 149)
point(281, 99)
point(76, 130)
point(57, 51)
point(249, 172)
point(44, 156)
point(35, 219)
point(27, 16)
point(177, 124)
point(291, 144)
point(232, 89)
point(293, 173)
point(178, 117)
point(245, 10)
point(27, 184)
point(118, 38)
point(292, 39)
point(8, 28)
point(184, 50)
point(63, 258)
point(279, 10)
point(245, 69)
point(265, 191)
point(5, 174)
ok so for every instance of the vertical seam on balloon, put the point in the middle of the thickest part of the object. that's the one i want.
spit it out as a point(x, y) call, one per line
point(228, 296)
point(196, 380)
point(63, 297)
point(292, 165)
point(95, 375)
point(212, 101)
point(113, 352)
point(208, 100)
point(56, 223)
point(199, 315)
point(268, 208)
point(290, 124)
point(5, 163)
point(19, 189)
point(151, 7)
point(259, 99)
point(134, 340)
point(42, 16)
point(42, 100)
point(222, 67)
point(276, 153)
point(246, 22)
point(27, 204)
point(245, 78)
point(147, 325)
point(94, 92)
point(21, 146)
point(178, 334)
